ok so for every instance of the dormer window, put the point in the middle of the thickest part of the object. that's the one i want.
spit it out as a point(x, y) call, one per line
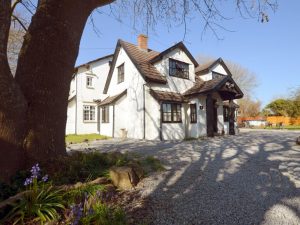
point(121, 73)
point(217, 75)
point(89, 82)
point(178, 69)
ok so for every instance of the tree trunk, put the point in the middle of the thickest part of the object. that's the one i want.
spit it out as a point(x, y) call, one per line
point(33, 109)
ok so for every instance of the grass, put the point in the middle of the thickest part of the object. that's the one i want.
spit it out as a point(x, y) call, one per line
point(288, 127)
point(73, 138)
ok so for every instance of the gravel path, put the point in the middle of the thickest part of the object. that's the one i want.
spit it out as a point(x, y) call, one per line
point(251, 178)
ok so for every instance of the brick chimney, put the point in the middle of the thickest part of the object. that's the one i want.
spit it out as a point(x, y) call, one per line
point(143, 42)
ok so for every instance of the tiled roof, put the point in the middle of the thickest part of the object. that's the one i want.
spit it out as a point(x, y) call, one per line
point(112, 99)
point(167, 96)
point(141, 60)
point(204, 86)
point(204, 66)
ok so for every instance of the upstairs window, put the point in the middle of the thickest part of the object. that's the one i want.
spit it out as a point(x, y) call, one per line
point(171, 113)
point(217, 75)
point(121, 73)
point(89, 82)
point(178, 69)
point(105, 114)
point(193, 110)
point(88, 113)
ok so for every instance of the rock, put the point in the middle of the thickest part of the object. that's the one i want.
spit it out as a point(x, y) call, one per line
point(137, 169)
point(298, 140)
point(123, 177)
point(100, 180)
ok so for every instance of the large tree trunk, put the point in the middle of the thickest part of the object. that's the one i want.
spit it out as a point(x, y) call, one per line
point(46, 62)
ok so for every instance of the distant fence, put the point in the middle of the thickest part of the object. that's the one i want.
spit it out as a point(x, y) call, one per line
point(284, 120)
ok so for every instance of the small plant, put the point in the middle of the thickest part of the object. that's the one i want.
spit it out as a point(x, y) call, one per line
point(152, 164)
point(90, 210)
point(40, 202)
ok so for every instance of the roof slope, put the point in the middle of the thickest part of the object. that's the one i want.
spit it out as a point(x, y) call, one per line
point(179, 45)
point(167, 96)
point(112, 99)
point(206, 67)
point(140, 58)
point(204, 86)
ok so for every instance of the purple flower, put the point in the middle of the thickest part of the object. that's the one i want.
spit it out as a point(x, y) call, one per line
point(28, 181)
point(77, 213)
point(35, 171)
point(45, 178)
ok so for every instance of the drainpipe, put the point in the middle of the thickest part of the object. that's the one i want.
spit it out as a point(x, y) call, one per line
point(76, 103)
point(113, 128)
point(144, 112)
point(160, 122)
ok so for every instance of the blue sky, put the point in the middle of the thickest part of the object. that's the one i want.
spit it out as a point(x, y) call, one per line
point(270, 50)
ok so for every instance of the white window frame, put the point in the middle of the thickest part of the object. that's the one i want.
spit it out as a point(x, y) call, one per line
point(89, 113)
point(89, 82)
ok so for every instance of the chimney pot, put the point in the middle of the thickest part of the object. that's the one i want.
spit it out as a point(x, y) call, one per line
point(143, 41)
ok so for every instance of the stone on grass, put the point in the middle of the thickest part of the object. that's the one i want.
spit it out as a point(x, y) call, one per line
point(124, 177)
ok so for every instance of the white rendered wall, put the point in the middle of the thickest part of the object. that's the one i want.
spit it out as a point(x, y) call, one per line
point(133, 82)
point(86, 96)
point(152, 115)
point(107, 128)
point(70, 125)
point(217, 68)
point(121, 115)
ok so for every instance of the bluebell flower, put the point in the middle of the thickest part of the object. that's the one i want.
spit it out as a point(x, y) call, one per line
point(28, 181)
point(35, 171)
point(45, 178)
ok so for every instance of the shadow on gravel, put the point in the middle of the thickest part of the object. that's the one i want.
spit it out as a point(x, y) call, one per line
point(231, 180)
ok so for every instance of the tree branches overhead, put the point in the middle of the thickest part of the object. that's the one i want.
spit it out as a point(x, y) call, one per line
point(180, 12)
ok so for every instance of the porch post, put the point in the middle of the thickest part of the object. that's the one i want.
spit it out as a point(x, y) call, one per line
point(231, 117)
point(209, 116)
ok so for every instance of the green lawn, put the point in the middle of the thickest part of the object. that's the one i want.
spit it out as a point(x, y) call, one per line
point(289, 127)
point(73, 138)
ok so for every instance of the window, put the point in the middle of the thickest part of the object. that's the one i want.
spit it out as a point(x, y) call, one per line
point(89, 82)
point(217, 75)
point(121, 73)
point(88, 113)
point(226, 113)
point(193, 109)
point(105, 114)
point(171, 113)
point(178, 69)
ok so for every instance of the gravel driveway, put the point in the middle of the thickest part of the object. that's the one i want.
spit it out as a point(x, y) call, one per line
point(251, 178)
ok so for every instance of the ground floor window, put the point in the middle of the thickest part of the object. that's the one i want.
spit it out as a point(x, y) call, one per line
point(226, 113)
point(171, 113)
point(193, 110)
point(89, 113)
point(105, 114)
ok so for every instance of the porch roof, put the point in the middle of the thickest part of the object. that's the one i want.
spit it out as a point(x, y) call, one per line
point(168, 96)
point(112, 99)
point(225, 85)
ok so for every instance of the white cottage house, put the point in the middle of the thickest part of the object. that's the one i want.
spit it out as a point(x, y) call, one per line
point(143, 94)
